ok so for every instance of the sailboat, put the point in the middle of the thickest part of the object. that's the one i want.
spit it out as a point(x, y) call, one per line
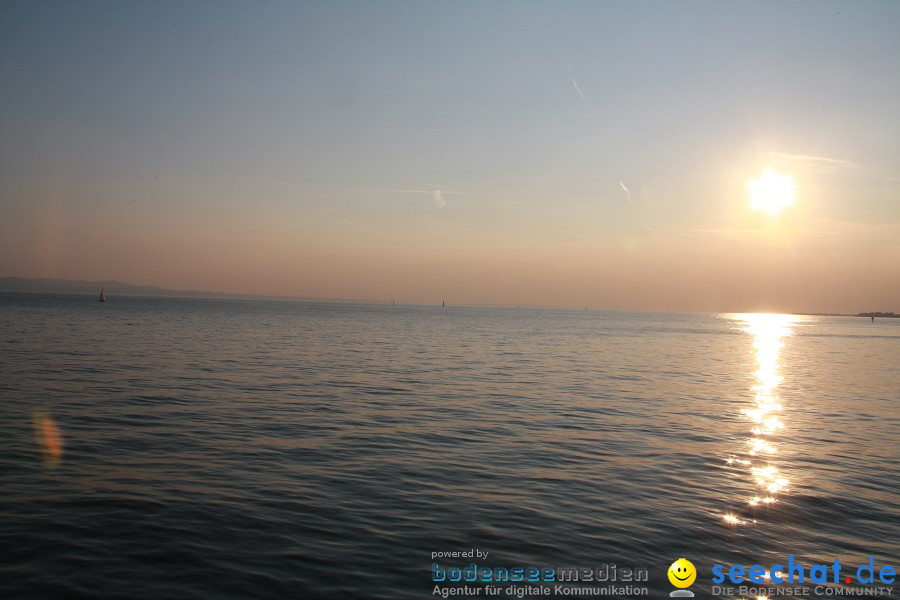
point(102, 296)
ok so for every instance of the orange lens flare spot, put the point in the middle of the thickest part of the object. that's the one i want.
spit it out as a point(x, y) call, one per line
point(48, 437)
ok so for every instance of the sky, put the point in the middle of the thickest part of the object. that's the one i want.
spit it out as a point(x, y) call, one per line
point(576, 154)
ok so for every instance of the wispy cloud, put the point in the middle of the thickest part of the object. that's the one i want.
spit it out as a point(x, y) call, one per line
point(830, 166)
point(578, 89)
point(821, 164)
point(638, 208)
point(625, 189)
point(436, 194)
point(575, 83)
point(829, 228)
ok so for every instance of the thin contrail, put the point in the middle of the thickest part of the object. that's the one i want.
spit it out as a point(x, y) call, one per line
point(625, 189)
point(575, 83)
point(578, 89)
point(436, 194)
point(811, 159)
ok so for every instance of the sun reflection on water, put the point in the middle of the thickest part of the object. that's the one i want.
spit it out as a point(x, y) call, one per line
point(763, 415)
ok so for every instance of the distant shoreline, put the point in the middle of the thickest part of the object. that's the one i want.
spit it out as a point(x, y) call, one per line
point(119, 288)
point(115, 287)
point(867, 315)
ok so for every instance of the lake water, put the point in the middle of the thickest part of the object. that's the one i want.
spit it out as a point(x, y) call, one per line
point(265, 449)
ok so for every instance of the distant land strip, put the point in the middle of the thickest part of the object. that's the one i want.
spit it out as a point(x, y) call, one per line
point(885, 315)
point(111, 286)
point(115, 287)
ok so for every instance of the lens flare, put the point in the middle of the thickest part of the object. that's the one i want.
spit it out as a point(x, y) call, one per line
point(48, 438)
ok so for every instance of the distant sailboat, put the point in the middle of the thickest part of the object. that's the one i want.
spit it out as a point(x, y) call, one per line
point(102, 295)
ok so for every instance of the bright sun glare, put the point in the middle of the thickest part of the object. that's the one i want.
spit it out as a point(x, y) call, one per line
point(771, 192)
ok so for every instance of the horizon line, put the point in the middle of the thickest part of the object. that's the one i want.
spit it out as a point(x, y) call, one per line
point(278, 297)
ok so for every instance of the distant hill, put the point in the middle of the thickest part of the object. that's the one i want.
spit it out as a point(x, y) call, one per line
point(112, 287)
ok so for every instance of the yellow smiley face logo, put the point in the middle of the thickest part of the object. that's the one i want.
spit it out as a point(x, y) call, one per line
point(682, 573)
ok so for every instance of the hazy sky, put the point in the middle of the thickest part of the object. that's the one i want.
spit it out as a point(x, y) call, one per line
point(538, 153)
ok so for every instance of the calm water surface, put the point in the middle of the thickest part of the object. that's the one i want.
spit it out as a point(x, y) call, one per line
point(234, 449)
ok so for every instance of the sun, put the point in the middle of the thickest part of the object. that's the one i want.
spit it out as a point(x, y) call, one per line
point(771, 192)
